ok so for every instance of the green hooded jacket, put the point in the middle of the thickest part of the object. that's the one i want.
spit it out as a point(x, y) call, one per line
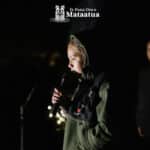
point(80, 135)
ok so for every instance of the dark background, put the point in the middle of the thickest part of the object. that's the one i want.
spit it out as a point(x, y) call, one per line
point(33, 56)
point(27, 41)
point(128, 31)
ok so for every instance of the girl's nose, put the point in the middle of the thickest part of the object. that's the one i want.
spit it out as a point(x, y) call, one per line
point(70, 65)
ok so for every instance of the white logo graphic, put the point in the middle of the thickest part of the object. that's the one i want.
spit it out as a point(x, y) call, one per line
point(59, 14)
point(62, 16)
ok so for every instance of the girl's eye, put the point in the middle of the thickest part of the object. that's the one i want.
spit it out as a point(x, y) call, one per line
point(73, 58)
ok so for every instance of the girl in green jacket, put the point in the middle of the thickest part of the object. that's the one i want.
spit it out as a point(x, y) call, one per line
point(88, 125)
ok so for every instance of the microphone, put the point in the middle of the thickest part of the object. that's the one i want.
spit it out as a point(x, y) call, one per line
point(56, 106)
point(68, 84)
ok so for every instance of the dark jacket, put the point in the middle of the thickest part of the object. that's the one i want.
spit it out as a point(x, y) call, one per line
point(88, 124)
point(143, 107)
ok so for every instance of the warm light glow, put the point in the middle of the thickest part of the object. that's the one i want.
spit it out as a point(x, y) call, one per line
point(50, 115)
point(62, 114)
point(49, 107)
point(58, 115)
point(62, 119)
point(59, 122)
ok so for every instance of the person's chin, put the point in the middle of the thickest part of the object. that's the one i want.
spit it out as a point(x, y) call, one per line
point(75, 71)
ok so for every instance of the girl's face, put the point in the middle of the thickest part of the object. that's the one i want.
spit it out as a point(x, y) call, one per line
point(75, 59)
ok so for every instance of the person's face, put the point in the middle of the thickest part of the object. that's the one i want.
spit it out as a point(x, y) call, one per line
point(75, 59)
point(148, 51)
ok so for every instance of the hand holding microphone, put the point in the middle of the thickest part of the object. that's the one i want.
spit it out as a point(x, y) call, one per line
point(56, 100)
point(62, 95)
point(56, 96)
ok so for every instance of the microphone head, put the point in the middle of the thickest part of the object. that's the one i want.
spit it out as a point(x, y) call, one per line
point(69, 82)
point(67, 85)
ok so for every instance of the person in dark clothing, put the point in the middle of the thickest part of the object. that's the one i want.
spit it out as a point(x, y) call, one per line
point(87, 110)
point(143, 107)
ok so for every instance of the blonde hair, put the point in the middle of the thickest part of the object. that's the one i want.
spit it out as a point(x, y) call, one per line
point(75, 42)
point(87, 73)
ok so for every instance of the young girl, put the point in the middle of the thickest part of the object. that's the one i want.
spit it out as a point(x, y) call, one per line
point(88, 123)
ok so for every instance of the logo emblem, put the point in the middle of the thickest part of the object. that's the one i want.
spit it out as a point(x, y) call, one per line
point(59, 14)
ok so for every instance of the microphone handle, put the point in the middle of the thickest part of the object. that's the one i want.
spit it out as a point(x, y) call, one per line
point(56, 106)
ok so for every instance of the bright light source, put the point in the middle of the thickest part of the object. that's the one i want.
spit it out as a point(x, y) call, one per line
point(58, 115)
point(62, 119)
point(62, 113)
point(49, 107)
point(59, 122)
point(50, 115)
